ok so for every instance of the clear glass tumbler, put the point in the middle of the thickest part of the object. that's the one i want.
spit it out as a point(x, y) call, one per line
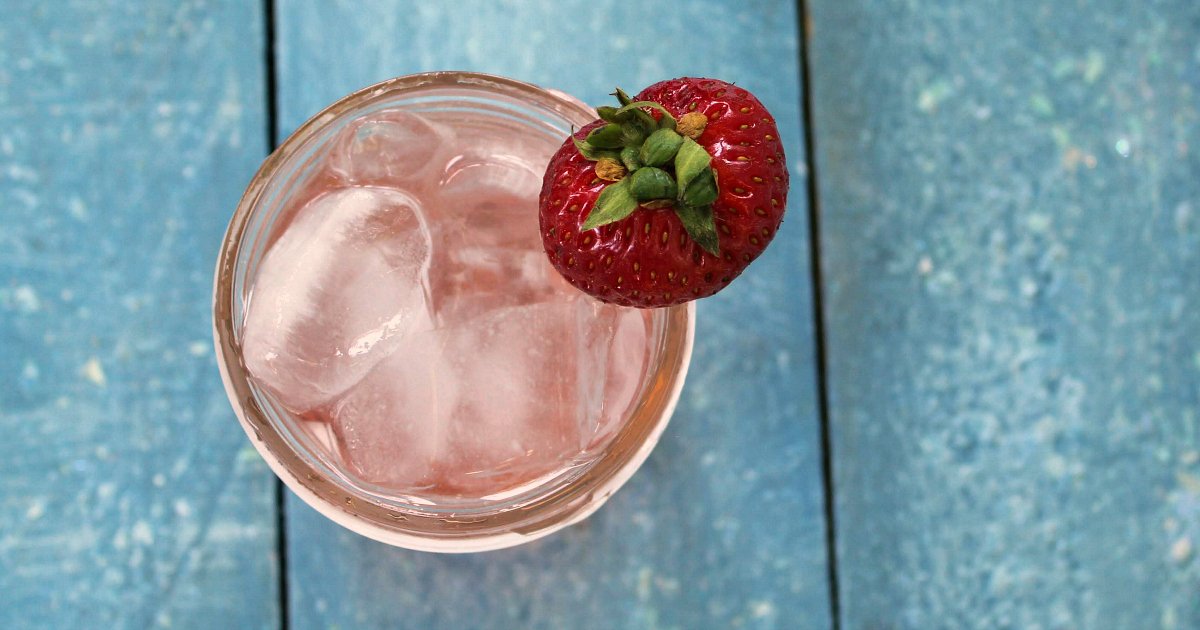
point(313, 469)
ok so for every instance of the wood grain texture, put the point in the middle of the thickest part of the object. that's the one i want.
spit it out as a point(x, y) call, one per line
point(723, 527)
point(1011, 235)
point(129, 496)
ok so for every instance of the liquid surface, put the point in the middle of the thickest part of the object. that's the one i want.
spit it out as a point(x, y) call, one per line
point(407, 312)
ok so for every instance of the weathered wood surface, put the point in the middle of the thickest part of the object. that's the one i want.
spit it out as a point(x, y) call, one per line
point(723, 527)
point(1011, 236)
point(129, 496)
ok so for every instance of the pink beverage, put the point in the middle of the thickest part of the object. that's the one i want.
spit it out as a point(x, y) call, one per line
point(408, 311)
point(407, 341)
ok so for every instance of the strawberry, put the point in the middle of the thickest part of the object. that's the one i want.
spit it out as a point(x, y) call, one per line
point(667, 198)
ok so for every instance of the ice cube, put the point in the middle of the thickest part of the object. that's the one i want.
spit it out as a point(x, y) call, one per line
point(488, 181)
point(472, 281)
point(489, 194)
point(487, 248)
point(618, 340)
point(516, 418)
point(612, 355)
point(335, 294)
point(473, 409)
point(392, 426)
point(391, 147)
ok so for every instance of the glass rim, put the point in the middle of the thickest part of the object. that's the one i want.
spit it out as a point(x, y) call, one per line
point(350, 505)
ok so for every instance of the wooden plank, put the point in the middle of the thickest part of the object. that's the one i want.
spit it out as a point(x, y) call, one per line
point(1011, 231)
point(129, 496)
point(724, 525)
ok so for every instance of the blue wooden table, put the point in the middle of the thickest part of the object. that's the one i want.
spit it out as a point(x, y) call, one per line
point(960, 390)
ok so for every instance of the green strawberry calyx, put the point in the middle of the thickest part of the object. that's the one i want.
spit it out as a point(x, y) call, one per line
point(652, 163)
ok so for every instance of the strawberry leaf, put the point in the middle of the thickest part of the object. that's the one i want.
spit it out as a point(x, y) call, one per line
point(700, 225)
point(606, 137)
point(635, 124)
point(660, 147)
point(636, 117)
point(630, 157)
point(633, 132)
point(690, 161)
point(701, 191)
point(667, 121)
point(622, 97)
point(593, 153)
point(651, 183)
point(615, 202)
point(607, 114)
